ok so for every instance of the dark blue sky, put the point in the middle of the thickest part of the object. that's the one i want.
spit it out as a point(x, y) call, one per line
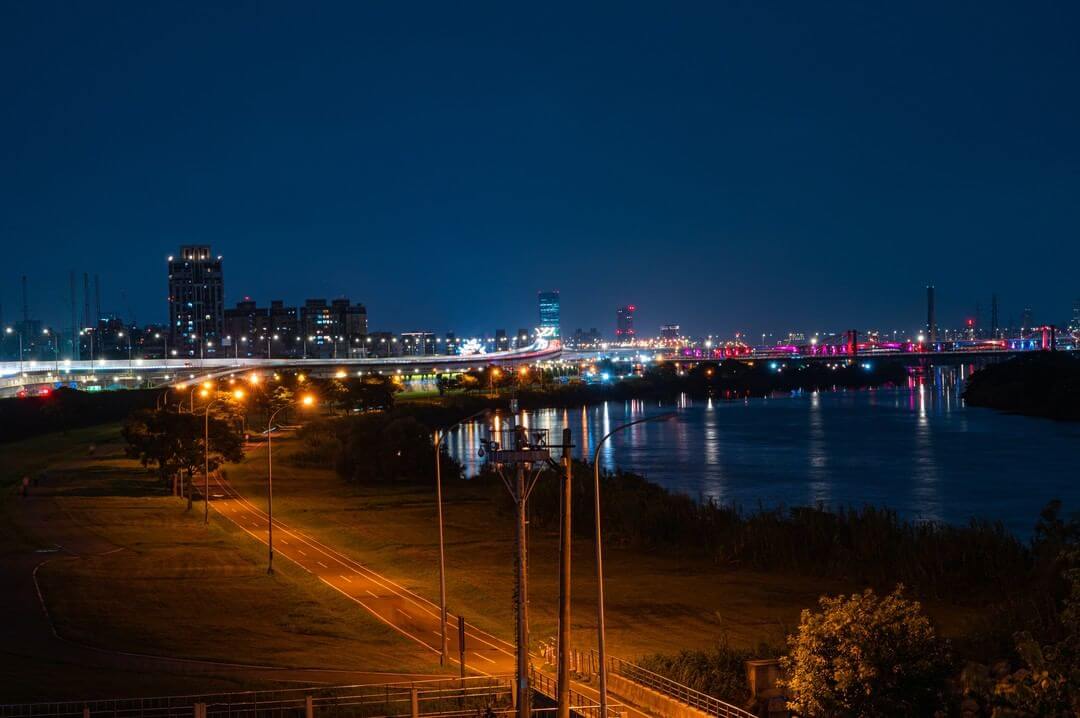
point(728, 165)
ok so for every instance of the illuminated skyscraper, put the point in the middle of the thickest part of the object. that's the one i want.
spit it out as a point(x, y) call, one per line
point(624, 323)
point(549, 312)
point(196, 301)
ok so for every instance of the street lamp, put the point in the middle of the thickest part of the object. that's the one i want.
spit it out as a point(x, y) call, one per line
point(600, 630)
point(9, 330)
point(165, 340)
point(56, 348)
point(237, 395)
point(121, 335)
point(442, 545)
point(306, 401)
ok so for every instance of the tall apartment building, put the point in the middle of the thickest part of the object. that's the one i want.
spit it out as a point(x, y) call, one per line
point(196, 301)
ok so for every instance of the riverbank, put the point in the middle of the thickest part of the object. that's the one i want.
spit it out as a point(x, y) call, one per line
point(1043, 384)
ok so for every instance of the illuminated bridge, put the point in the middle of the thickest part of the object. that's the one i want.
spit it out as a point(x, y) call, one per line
point(35, 377)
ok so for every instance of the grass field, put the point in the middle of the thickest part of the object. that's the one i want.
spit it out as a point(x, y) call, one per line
point(654, 603)
point(175, 587)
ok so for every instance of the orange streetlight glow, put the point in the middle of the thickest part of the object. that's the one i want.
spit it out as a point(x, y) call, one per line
point(308, 400)
point(204, 393)
point(238, 394)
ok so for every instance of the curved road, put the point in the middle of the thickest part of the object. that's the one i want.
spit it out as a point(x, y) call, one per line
point(410, 614)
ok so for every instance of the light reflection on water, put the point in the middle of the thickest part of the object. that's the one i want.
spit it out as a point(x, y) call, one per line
point(918, 450)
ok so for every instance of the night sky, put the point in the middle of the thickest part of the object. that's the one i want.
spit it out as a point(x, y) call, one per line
point(726, 165)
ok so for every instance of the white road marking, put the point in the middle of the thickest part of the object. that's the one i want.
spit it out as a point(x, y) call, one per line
point(345, 577)
point(482, 656)
point(322, 564)
point(373, 595)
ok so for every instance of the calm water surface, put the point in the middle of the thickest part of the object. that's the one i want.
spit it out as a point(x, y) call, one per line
point(919, 450)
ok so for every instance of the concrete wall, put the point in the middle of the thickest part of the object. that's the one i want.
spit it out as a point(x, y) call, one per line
point(650, 700)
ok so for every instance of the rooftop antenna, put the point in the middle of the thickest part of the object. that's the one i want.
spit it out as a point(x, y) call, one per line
point(97, 299)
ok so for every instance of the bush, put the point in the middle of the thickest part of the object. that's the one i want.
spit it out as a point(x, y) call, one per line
point(377, 446)
point(866, 656)
point(65, 409)
point(719, 672)
point(869, 545)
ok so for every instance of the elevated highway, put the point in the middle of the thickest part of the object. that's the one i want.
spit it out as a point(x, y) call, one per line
point(38, 376)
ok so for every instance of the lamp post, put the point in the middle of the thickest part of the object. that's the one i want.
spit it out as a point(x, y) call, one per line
point(56, 348)
point(442, 544)
point(600, 629)
point(238, 395)
point(308, 400)
point(9, 330)
point(121, 335)
point(165, 352)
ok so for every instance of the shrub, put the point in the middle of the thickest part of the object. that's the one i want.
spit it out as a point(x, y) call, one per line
point(719, 672)
point(866, 656)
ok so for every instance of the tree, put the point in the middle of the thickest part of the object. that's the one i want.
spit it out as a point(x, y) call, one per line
point(866, 656)
point(173, 442)
point(1047, 683)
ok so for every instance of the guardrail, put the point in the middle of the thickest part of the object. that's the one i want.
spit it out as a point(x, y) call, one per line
point(440, 696)
point(673, 689)
point(580, 704)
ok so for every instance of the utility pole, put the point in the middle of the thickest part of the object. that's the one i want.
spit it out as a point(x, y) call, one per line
point(523, 707)
point(74, 319)
point(564, 583)
point(527, 452)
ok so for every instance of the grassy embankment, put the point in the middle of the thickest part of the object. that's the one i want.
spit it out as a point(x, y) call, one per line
point(177, 588)
point(655, 603)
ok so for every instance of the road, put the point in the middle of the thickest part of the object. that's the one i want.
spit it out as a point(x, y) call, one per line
point(412, 615)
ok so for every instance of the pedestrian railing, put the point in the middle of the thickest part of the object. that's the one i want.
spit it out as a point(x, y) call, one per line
point(442, 697)
point(673, 689)
point(580, 704)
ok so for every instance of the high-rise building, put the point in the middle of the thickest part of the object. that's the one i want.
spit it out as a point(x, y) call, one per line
point(931, 317)
point(522, 338)
point(1074, 325)
point(196, 301)
point(994, 316)
point(624, 323)
point(241, 325)
point(669, 332)
point(586, 339)
point(1027, 321)
point(549, 312)
point(284, 321)
point(417, 343)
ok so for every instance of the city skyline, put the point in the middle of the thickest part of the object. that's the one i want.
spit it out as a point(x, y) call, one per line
point(455, 165)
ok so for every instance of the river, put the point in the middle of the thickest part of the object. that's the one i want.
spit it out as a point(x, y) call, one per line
point(919, 450)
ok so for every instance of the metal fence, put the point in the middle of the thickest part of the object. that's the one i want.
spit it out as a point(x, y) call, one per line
point(457, 697)
point(673, 689)
point(580, 704)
